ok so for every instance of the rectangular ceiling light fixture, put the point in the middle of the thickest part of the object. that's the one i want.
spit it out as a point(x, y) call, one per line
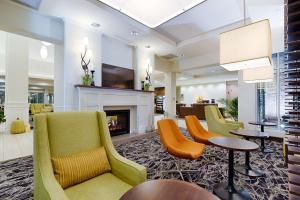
point(152, 13)
point(258, 75)
point(246, 47)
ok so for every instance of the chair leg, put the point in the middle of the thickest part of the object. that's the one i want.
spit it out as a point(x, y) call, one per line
point(179, 170)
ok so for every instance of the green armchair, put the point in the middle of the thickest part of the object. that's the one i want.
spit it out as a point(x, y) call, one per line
point(216, 123)
point(58, 134)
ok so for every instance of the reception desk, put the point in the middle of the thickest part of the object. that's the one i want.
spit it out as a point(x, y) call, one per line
point(195, 109)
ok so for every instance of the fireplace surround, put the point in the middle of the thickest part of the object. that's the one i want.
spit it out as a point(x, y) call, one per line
point(140, 104)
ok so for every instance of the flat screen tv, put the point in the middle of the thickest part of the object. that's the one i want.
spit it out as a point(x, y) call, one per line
point(117, 77)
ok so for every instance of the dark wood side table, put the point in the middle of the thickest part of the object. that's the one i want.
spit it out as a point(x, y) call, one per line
point(228, 191)
point(262, 129)
point(246, 169)
point(168, 189)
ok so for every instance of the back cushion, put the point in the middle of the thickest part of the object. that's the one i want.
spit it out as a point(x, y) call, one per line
point(72, 132)
point(191, 126)
point(77, 168)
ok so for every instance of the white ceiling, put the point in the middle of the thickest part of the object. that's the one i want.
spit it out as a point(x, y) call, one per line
point(142, 11)
point(210, 15)
point(194, 33)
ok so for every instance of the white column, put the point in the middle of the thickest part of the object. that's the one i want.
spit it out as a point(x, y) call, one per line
point(16, 79)
point(247, 108)
point(137, 70)
point(46, 94)
point(59, 89)
point(170, 93)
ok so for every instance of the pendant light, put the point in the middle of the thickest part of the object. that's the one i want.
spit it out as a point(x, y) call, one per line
point(249, 46)
point(258, 75)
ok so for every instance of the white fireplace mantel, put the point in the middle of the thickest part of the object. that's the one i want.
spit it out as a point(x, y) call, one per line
point(140, 103)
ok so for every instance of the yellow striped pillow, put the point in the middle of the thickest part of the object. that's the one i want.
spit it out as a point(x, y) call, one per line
point(76, 168)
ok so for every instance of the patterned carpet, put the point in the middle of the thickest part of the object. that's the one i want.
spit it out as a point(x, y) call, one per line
point(16, 176)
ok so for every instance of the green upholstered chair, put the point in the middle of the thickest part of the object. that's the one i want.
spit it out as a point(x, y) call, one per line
point(217, 124)
point(65, 133)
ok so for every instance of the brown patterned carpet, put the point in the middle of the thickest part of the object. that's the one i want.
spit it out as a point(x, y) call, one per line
point(16, 176)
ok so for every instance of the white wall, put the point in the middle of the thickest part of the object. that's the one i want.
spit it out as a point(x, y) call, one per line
point(115, 52)
point(142, 58)
point(207, 91)
point(247, 101)
point(231, 90)
point(73, 72)
point(38, 67)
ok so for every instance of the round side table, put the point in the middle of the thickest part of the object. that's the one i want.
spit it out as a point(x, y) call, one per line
point(228, 191)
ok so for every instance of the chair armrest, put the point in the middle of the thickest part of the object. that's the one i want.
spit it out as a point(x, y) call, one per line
point(46, 186)
point(128, 171)
point(226, 127)
point(240, 124)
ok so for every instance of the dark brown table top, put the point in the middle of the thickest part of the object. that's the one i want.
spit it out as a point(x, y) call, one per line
point(263, 123)
point(234, 144)
point(249, 133)
point(168, 189)
point(257, 134)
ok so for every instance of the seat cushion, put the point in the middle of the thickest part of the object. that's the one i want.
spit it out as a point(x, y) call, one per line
point(106, 187)
point(189, 150)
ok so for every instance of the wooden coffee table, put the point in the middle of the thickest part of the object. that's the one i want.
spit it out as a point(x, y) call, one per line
point(247, 134)
point(262, 129)
point(228, 191)
point(168, 189)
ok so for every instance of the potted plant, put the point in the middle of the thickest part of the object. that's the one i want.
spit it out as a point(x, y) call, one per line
point(2, 117)
point(2, 120)
point(231, 107)
point(147, 86)
point(87, 80)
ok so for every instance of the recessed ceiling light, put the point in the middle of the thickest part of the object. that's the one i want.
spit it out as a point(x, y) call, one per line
point(147, 46)
point(134, 33)
point(152, 13)
point(95, 25)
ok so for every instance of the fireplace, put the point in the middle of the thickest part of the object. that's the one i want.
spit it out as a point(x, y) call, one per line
point(118, 121)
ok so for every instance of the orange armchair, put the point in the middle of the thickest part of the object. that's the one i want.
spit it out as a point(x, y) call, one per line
point(178, 145)
point(197, 132)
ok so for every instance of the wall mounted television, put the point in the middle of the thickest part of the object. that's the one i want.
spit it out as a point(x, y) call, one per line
point(117, 77)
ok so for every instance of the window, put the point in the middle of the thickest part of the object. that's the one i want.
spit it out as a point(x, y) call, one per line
point(270, 96)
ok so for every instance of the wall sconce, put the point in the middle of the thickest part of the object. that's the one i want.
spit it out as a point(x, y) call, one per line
point(44, 52)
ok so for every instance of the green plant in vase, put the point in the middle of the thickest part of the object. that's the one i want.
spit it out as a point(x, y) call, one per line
point(147, 86)
point(2, 117)
point(231, 107)
point(87, 80)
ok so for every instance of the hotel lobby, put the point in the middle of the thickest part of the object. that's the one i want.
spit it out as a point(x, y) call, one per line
point(149, 100)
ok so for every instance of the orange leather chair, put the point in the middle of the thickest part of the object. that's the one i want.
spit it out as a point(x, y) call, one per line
point(197, 131)
point(178, 145)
